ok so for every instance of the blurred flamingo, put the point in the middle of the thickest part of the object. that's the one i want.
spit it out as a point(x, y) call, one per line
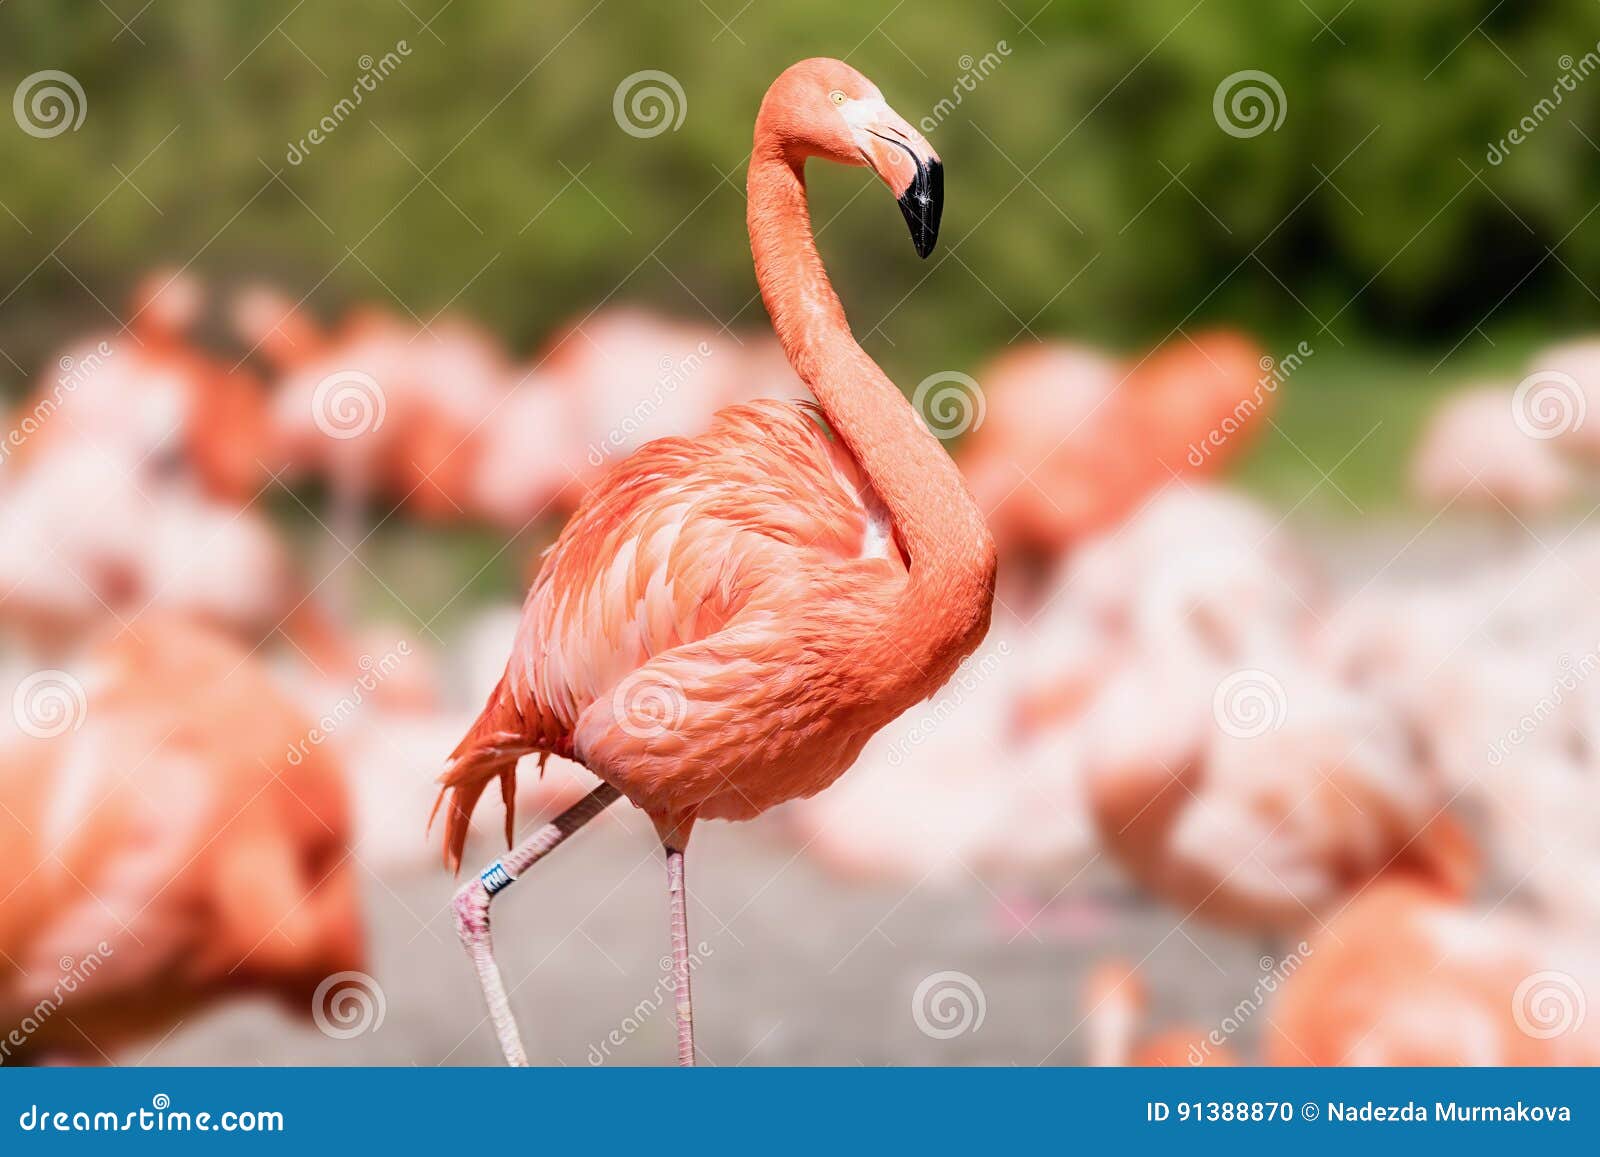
point(152, 401)
point(728, 618)
point(1072, 441)
point(1476, 453)
point(1406, 974)
point(172, 839)
point(1115, 1003)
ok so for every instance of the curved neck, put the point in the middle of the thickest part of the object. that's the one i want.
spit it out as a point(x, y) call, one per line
point(934, 516)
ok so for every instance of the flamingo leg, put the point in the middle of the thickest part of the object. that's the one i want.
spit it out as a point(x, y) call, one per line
point(680, 955)
point(471, 906)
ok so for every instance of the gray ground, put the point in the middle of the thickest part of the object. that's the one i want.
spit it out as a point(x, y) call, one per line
point(799, 968)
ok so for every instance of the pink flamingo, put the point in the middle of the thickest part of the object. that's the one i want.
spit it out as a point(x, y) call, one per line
point(1072, 441)
point(152, 401)
point(1407, 974)
point(1478, 452)
point(166, 847)
point(728, 618)
point(607, 384)
point(1115, 1002)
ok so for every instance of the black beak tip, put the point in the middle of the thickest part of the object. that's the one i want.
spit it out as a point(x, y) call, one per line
point(923, 204)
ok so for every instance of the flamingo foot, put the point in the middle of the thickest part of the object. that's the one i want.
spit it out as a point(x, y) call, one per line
point(471, 905)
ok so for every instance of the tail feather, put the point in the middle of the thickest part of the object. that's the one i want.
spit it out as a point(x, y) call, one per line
point(493, 746)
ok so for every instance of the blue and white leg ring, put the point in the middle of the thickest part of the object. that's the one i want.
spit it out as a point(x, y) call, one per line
point(495, 878)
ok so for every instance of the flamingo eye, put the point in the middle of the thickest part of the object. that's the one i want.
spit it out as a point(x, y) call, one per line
point(836, 96)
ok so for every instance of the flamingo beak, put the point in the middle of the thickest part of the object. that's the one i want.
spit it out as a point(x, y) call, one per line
point(905, 161)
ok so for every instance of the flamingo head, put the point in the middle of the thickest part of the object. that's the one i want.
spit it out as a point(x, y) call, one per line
point(825, 108)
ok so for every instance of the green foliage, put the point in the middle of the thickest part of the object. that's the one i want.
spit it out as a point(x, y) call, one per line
point(1091, 191)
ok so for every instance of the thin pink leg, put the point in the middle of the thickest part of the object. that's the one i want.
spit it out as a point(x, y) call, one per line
point(680, 956)
point(472, 909)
